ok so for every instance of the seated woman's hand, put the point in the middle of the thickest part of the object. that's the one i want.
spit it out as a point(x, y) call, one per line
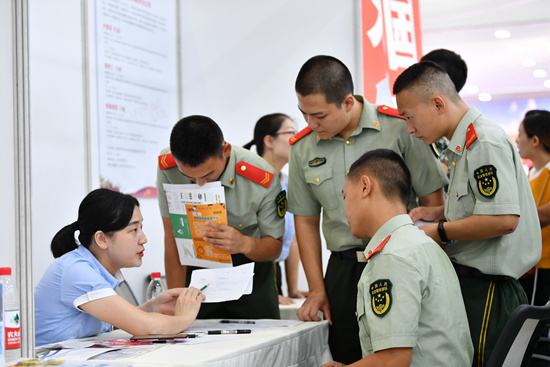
point(165, 302)
point(189, 303)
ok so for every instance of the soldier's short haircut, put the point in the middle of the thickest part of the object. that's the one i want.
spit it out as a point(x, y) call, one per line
point(195, 139)
point(388, 169)
point(426, 78)
point(452, 63)
point(325, 75)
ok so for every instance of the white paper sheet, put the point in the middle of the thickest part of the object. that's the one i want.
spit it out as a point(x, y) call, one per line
point(224, 284)
point(202, 326)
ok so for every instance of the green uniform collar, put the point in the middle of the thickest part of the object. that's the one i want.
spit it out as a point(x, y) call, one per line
point(387, 228)
point(228, 175)
point(369, 117)
point(369, 120)
point(456, 145)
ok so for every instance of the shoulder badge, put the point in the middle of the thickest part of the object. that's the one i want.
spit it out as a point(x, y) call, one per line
point(380, 296)
point(166, 161)
point(299, 135)
point(389, 111)
point(487, 181)
point(280, 203)
point(471, 135)
point(378, 248)
point(254, 174)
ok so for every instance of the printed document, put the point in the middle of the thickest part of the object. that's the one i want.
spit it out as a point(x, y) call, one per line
point(191, 207)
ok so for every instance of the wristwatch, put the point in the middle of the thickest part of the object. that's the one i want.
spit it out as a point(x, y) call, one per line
point(442, 234)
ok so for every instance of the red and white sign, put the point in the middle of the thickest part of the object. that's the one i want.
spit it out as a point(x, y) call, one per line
point(391, 41)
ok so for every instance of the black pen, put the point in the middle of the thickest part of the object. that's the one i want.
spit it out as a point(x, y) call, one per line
point(237, 331)
point(237, 322)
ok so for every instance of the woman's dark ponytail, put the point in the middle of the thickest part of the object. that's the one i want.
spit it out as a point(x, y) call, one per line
point(101, 210)
point(249, 144)
point(64, 240)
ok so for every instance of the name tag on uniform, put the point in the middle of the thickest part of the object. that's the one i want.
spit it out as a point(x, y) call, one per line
point(361, 257)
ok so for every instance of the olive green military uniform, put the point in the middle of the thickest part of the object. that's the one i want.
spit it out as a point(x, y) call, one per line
point(409, 297)
point(252, 209)
point(316, 177)
point(486, 178)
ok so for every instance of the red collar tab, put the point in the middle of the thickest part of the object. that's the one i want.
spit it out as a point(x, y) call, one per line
point(389, 111)
point(378, 248)
point(254, 174)
point(299, 135)
point(166, 161)
point(471, 135)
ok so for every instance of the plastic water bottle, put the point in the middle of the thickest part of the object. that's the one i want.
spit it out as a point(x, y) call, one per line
point(2, 349)
point(12, 321)
point(155, 286)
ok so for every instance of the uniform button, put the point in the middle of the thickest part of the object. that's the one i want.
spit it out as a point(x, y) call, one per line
point(243, 168)
point(348, 142)
point(240, 225)
point(317, 180)
point(458, 148)
point(453, 163)
point(231, 181)
point(376, 124)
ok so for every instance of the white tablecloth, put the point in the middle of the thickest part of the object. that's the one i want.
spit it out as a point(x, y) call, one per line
point(302, 345)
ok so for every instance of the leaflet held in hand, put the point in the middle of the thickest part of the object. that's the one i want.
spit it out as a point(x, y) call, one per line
point(220, 285)
point(191, 207)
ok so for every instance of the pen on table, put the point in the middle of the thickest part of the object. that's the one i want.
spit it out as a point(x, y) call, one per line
point(237, 322)
point(237, 331)
point(204, 287)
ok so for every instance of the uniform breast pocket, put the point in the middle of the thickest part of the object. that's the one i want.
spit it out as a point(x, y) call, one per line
point(246, 222)
point(323, 186)
point(463, 199)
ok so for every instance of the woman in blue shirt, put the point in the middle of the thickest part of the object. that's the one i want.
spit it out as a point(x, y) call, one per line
point(271, 135)
point(75, 298)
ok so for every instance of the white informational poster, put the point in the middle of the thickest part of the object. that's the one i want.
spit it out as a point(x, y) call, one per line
point(133, 90)
point(191, 208)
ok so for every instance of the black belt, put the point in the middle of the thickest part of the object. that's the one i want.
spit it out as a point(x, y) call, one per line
point(469, 272)
point(350, 254)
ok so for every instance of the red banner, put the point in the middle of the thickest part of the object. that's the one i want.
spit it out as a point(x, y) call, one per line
point(391, 41)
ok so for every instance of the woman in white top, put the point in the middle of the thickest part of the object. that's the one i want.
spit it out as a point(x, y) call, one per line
point(75, 298)
point(271, 138)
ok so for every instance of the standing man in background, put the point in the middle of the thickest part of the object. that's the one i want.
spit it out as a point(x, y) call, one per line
point(487, 225)
point(256, 207)
point(341, 127)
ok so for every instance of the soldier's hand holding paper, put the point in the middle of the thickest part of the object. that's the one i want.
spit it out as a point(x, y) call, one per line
point(226, 238)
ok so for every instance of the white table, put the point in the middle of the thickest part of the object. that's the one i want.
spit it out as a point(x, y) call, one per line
point(302, 345)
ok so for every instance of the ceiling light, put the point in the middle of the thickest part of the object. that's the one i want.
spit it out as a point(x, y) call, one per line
point(528, 62)
point(502, 34)
point(484, 97)
point(539, 73)
point(547, 83)
point(471, 89)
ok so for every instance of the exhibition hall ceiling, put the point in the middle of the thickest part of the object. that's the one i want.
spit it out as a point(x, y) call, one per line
point(515, 60)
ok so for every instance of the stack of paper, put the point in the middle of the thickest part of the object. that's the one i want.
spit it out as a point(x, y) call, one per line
point(224, 284)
